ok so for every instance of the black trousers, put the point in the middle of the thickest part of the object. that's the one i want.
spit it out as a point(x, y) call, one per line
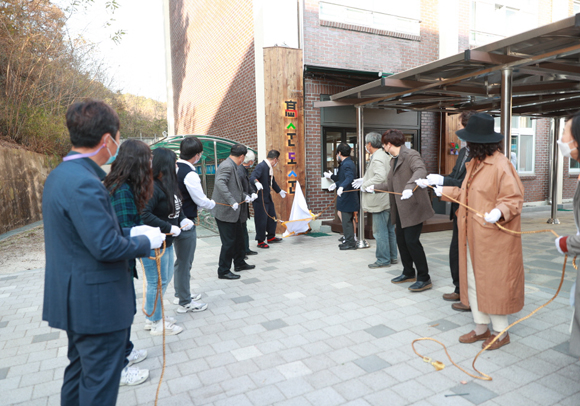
point(246, 237)
point(232, 237)
point(412, 251)
point(454, 255)
point(265, 226)
point(94, 372)
point(348, 227)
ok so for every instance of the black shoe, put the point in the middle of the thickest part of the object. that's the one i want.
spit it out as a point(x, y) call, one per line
point(250, 252)
point(341, 239)
point(246, 257)
point(345, 246)
point(421, 286)
point(244, 267)
point(403, 278)
point(274, 239)
point(229, 275)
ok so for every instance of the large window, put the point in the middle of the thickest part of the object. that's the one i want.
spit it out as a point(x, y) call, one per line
point(398, 16)
point(576, 6)
point(492, 20)
point(523, 143)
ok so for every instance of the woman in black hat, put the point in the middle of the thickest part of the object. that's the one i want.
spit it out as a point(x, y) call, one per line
point(491, 270)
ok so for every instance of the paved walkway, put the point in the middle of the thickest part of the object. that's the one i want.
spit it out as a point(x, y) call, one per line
point(312, 325)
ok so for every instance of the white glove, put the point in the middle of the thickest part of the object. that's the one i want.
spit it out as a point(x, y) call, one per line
point(370, 189)
point(407, 193)
point(283, 194)
point(438, 190)
point(327, 175)
point(435, 180)
point(259, 186)
point(186, 224)
point(212, 204)
point(332, 187)
point(235, 206)
point(422, 183)
point(142, 230)
point(339, 191)
point(175, 231)
point(357, 183)
point(493, 216)
point(248, 199)
point(558, 246)
point(254, 197)
point(155, 236)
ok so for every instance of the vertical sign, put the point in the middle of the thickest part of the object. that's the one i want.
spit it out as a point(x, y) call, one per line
point(285, 121)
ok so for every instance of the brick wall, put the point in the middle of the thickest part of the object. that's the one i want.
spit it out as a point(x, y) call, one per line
point(430, 140)
point(212, 47)
point(536, 188)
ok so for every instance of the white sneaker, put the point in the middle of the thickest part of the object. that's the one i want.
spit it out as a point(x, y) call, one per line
point(170, 329)
point(136, 356)
point(192, 307)
point(133, 376)
point(194, 296)
point(148, 322)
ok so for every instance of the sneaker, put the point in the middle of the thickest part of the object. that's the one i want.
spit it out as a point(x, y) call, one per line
point(394, 261)
point(133, 376)
point(193, 297)
point(377, 265)
point(170, 329)
point(341, 239)
point(149, 323)
point(192, 307)
point(136, 356)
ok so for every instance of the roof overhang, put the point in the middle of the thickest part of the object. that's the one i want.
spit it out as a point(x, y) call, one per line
point(544, 64)
point(213, 146)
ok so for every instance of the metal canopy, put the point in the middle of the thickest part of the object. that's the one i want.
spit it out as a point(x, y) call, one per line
point(545, 66)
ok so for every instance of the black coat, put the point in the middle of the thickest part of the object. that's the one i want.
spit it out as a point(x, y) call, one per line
point(455, 178)
point(262, 175)
point(348, 202)
point(247, 186)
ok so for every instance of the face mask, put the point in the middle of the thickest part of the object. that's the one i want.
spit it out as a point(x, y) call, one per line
point(87, 155)
point(112, 157)
point(276, 164)
point(565, 148)
point(367, 150)
point(462, 144)
point(197, 160)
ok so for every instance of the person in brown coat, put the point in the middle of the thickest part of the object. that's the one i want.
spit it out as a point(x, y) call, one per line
point(409, 211)
point(491, 268)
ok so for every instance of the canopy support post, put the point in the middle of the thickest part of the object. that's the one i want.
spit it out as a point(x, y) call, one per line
point(555, 163)
point(506, 109)
point(361, 243)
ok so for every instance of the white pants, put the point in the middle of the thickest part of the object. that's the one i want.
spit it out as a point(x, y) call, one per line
point(499, 322)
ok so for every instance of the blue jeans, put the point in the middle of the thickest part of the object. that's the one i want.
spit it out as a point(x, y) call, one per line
point(151, 275)
point(384, 233)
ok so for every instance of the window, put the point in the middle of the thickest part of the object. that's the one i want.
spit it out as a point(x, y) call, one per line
point(523, 143)
point(576, 6)
point(492, 20)
point(403, 17)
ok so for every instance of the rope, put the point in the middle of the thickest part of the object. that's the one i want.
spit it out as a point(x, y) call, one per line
point(483, 376)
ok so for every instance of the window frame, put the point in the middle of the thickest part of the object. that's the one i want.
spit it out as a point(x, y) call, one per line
point(517, 133)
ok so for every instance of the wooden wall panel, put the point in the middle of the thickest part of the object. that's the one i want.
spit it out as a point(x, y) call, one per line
point(448, 160)
point(283, 87)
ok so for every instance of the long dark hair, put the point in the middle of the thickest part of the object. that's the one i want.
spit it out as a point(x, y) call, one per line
point(164, 174)
point(481, 151)
point(132, 166)
point(575, 126)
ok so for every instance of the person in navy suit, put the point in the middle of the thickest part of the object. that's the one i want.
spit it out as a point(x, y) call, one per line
point(88, 286)
point(348, 203)
point(264, 212)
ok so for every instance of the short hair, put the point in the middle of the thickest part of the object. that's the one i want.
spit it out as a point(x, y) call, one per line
point(374, 138)
point(464, 117)
point(395, 137)
point(273, 154)
point(238, 150)
point(190, 147)
point(575, 126)
point(88, 121)
point(250, 156)
point(343, 149)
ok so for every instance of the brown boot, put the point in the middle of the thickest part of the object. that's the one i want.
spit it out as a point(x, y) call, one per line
point(498, 343)
point(451, 297)
point(460, 307)
point(471, 337)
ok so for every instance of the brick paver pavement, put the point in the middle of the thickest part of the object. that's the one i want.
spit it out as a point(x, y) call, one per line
point(312, 325)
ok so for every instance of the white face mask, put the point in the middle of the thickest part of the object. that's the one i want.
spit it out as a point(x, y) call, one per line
point(367, 150)
point(565, 148)
point(462, 144)
point(197, 160)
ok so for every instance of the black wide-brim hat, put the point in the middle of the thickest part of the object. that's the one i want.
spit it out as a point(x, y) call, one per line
point(480, 130)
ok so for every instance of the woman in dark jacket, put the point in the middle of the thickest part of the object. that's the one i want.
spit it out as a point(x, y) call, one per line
point(130, 184)
point(163, 210)
point(409, 210)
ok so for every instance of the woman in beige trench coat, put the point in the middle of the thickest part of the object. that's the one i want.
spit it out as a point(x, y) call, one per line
point(571, 244)
point(491, 270)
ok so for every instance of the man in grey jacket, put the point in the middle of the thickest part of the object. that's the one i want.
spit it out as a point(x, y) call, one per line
point(229, 194)
point(378, 203)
